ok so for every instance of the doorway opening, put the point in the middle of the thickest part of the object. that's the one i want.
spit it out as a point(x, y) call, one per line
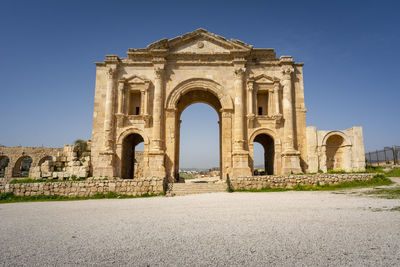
point(264, 148)
point(132, 156)
point(22, 167)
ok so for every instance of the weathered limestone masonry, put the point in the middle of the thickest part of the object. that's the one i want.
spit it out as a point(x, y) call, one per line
point(43, 162)
point(258, 98)
point(16, 155)
point(258, 182)
point(87, 188)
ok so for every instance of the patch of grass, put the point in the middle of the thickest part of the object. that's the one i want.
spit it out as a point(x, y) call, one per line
point(393, 173)
point(186, 176)
point(41, 180)
point(336, 172)
point(377, 180)
point(389, 193)
point(11, 198)
point(395, 208)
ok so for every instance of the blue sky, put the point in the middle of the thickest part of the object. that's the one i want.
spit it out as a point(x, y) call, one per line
point(47, 51)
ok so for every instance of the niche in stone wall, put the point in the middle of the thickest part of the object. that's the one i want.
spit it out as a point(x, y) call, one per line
point(134, 102)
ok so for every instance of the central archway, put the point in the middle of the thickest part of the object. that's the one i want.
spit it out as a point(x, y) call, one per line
point(198, 90)
point(187, 100)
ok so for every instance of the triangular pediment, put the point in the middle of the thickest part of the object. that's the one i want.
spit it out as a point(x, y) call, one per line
point(135, 79)
point(263, 79)
point(200, 41)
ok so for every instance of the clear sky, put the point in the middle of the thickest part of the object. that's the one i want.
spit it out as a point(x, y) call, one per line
point(47, 51)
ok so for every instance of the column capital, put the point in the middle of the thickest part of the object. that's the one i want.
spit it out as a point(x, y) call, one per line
point(159, 72)
point(250, 85)
point(111, 71)
point(239, 72)
point(287, 72)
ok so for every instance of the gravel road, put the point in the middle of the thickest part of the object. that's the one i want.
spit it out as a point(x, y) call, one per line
point(284, 228)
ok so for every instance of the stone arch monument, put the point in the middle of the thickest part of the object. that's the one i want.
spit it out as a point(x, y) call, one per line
point(257, 96)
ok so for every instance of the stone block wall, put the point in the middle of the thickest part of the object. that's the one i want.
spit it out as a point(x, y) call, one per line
point(135, 187)
point(258, 182)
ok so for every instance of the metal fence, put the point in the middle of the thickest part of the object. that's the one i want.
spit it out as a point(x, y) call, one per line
point(389, 155)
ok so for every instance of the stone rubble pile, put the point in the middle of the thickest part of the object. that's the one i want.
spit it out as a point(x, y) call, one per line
point(66, 164)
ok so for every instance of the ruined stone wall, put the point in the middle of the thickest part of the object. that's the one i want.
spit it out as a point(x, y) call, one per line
point(134, 187)
point(258, 182)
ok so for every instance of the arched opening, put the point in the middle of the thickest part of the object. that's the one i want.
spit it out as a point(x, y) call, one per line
point(334, 152)
point(46, 158)
point(198, 138)
point(22, 167)
point(267, 159)
point(132, 160)
point(4, 160)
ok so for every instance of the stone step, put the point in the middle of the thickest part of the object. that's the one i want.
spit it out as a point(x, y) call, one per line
point(179, 189)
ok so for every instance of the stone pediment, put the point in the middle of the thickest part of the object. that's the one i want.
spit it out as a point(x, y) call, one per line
point(198, 42)
point(135, 79)
point(263, 79)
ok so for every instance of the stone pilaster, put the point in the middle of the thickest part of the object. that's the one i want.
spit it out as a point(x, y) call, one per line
point(250, 115)
point(276, 97)
point(291, 157)
point(108, 120)
point(121, 86)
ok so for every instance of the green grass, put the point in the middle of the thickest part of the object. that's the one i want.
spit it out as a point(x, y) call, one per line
point(377, 180)
point(11, 198)
point(186, 176)
point(393, 173)
point(389, 193)
point(30, 180)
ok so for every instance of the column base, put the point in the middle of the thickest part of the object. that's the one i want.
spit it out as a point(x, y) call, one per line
point(105, 166)
point(156, 164)
point(291, 162)
point(241, 164)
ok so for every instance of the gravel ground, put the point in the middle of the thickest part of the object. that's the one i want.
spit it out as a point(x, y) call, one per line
point(285, 228)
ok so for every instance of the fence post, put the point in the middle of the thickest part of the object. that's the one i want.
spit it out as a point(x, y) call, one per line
point(395, 159)
point(377, 157)
point(370, 159)
point(386, 160)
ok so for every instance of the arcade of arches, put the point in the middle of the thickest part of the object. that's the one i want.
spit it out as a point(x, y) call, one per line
point(258, 97)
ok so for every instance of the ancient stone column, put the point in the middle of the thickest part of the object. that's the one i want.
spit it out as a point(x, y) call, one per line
point(276, 96)
point(288, 141)
point(157, 108)
point(240, 154)
point(121, 97)
point(270, 102)
point(108, 120)
point(239, 109)
point(291, 157)
point(250, 87)
point(156, 155)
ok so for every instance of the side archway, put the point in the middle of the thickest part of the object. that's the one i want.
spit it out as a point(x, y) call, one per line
point(131, 163)
point(271, 144)
point(336, 149)
point(4, 161)
point(22, 166)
